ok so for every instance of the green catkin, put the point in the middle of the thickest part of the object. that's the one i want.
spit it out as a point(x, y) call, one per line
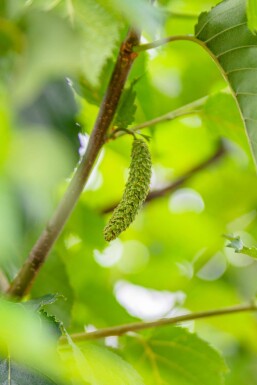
point(136, 191)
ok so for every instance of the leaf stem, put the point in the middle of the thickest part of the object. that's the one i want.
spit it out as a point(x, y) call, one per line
point(23, 281)
point(169, 39)
point(182, 15)
point(219, 153)
point(137, 326)
point(188, 109)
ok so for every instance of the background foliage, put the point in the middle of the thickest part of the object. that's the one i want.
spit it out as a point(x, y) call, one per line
point(56, 60)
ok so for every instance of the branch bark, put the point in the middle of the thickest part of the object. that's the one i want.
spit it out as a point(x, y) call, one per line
point(137, 326)
point(221, 151)
point(23, 281)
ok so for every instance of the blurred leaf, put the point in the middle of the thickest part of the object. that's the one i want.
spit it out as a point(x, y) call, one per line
point(252, 15)
point(38, 303)
point(97, 365)
point(222, 118)
point(94, 93)
point(64, 49)
point(225, 34)
point(28, 339)
point(54, 108)
point(53, 277)
point(126, 110)
point(12, 373)
point(55, 326)
point(175, 356)
point(140, 13)
point(237, 244)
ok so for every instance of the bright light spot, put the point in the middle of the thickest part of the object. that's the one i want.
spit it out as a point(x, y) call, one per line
point(95, 179)
point(111, 254)
point(167, 80)
point(238, 259)
point(147, 304)
point(214, 268)
point(161, 176)
point(112, 342)
point(192, 121)
point(71, 241)
point(90, 328)
point(135, 257)
point(152, 53)
point(186, 269)
point(186, 200)
point(83, 140)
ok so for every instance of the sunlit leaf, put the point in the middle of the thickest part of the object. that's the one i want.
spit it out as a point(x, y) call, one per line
point(12, 373)
point(224, 33)
point(175, 356)
point(97, 365)
point(252, 15)
point(127, 108)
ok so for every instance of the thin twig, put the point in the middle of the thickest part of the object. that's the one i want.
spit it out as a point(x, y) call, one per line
point(188, 109)
point(169, 39)
point(181, 15)
point(137, 326)
point(41, 249)
point(220, 152)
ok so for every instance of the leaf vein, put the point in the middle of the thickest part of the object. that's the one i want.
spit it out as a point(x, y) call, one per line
point(224, 31)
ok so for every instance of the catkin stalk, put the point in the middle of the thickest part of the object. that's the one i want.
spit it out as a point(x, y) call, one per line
point(136, 191)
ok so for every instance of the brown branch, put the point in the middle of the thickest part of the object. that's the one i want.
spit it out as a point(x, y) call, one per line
point(41, 249)
point(221, 151)
point(137, 326)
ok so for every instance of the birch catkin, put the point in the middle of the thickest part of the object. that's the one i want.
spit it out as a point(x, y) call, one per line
point(135, 193)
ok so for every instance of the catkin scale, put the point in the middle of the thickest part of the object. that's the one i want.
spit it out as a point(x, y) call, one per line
point(136, 191)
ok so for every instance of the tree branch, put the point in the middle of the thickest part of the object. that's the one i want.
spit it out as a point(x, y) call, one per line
point(137, 326)
point(41, 249)
point(221, 151)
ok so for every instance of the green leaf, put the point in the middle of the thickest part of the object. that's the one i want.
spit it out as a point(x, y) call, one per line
point(252, 15)
point(55, 326)
point(237, 244)
point(38, 303)
point(97, 365)
point(12, 373)
point(224, 33)
point(126, 109)
point(175, 356)
point(29, 340)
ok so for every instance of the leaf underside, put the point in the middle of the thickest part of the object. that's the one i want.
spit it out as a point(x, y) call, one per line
point(14, 374)
point(175, 356)
point(233, 46)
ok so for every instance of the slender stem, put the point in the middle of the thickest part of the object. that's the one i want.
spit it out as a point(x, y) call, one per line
point(181, 15)
point(137, 326)
point(159, 43)
point(219, 153)
point(188, 109)
point(22, 283)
